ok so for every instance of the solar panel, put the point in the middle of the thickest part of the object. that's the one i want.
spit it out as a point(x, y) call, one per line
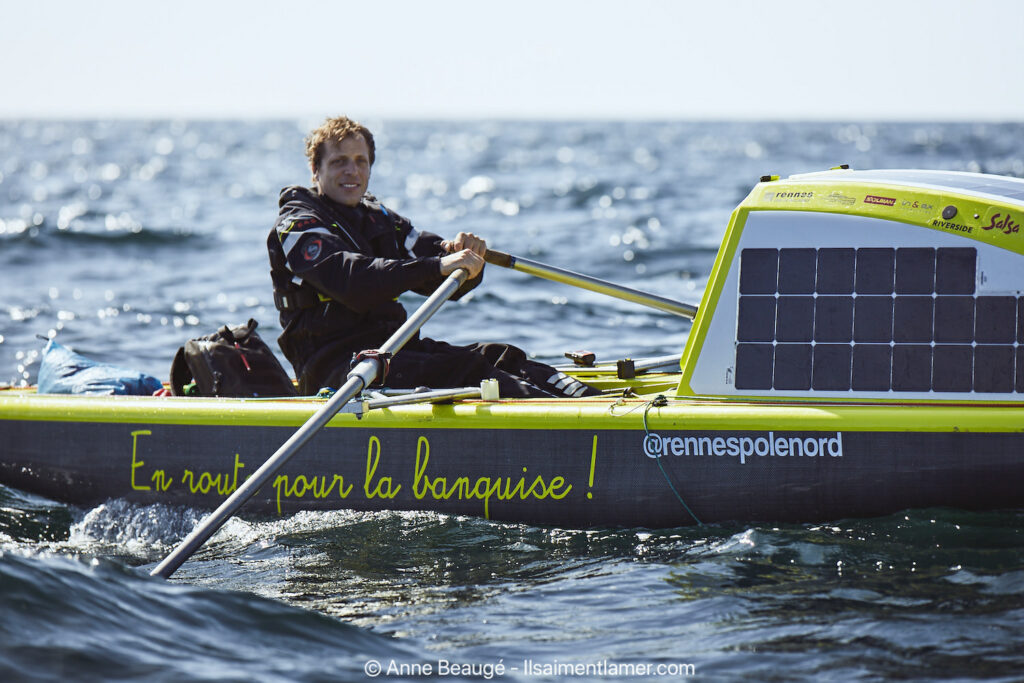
point(874, 319)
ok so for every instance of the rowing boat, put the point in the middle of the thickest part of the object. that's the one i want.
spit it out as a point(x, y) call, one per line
point(858, 350)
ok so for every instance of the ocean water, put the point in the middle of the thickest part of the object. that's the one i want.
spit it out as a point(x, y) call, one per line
point(126, 238)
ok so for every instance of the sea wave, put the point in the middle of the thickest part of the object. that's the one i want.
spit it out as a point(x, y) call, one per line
point(72, 619)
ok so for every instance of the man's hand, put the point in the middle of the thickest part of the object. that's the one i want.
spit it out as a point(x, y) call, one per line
point(465, 240)
point(467, 258)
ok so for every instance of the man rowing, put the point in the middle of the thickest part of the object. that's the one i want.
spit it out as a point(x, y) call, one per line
point(339, 260)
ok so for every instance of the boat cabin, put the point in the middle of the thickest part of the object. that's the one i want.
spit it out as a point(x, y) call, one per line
point(885, 285)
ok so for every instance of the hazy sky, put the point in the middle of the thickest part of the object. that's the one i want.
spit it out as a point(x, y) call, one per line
point(793, 59)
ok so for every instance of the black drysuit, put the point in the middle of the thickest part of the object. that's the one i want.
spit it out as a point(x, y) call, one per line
point(338, 272)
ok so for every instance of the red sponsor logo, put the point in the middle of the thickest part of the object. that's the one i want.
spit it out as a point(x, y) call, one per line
point(1005, 224)
point(884, 201)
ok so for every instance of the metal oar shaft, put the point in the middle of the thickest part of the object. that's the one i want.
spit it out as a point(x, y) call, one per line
point(429, 396)
point(568, 277)
point(362, 375)
point(229, 507)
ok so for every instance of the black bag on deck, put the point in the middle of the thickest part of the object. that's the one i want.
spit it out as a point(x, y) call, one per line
point(234, 362)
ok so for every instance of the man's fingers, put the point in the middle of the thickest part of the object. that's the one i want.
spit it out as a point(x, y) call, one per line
point(465, 258)
point(467, 240)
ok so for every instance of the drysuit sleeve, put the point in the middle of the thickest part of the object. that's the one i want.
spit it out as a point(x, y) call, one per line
point(328, 258)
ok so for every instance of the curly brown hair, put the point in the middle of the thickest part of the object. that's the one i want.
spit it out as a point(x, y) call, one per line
point(337, 129)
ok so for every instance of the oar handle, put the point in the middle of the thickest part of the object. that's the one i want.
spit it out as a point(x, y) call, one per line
point(568, 277)
point(500, 258)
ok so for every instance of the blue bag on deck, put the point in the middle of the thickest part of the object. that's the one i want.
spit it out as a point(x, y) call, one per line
point(62, 371)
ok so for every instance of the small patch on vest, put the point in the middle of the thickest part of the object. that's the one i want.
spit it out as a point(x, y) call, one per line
point(312, 250)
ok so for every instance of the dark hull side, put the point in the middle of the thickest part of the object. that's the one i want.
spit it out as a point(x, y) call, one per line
point(574, 478)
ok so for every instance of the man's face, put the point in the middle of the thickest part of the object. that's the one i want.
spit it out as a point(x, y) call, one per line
point(344, 171)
